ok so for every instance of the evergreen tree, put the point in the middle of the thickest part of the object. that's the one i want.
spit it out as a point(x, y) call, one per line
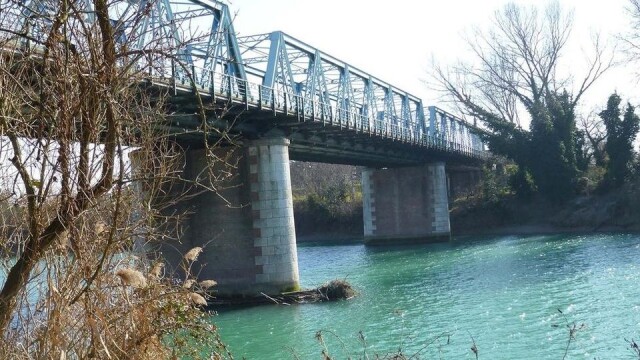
point(546, 153)
point(517, 77)
point(620, 135)
point(553, 158)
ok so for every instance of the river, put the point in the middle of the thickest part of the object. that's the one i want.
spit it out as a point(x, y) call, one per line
point(514, 297)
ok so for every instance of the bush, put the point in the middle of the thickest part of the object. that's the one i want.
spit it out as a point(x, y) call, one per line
point(336, 209)
point(327, 198)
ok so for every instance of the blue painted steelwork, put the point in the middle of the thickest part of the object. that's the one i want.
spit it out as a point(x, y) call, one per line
point(270, 72)
point(337, 93)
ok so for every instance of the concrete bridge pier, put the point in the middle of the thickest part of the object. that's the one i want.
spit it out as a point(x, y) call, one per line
point(246, 227)
point(405, 205)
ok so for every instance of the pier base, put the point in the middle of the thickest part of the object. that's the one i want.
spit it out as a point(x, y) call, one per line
point(244, 223)
point(405, 205)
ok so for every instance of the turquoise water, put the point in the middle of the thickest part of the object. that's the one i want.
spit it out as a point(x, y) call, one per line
point(503, 292)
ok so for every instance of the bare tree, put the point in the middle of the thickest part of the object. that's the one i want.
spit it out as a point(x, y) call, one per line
point(327, 198)
point(631, 39)
point(595, 132)
point(517, 64)
point(517, 74)
point(74, 103)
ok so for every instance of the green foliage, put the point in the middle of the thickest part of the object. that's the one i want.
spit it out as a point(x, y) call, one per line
point(545, 155)
point(334, 208)
point(552, 161)
point(495, 182)
point(327, 198)
point(491, 200)
point(620, 135)
point(590, 180)
point(522, 183)
point(490, 188)
point(505, 138)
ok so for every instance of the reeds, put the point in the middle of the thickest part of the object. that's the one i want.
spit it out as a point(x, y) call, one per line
point(132, 277)
point(192, 255)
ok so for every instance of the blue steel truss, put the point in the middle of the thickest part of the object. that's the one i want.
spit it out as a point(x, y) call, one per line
point(272, 72)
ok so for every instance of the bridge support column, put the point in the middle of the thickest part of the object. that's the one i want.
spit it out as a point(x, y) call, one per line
point(274, 235)
point(246, 227)
point(405, 205)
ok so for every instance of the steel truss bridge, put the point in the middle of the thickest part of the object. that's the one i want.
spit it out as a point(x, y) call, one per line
point(330, 110)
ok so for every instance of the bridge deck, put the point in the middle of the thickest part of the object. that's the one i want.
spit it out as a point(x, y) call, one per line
point(331, 111)
point(337, 137)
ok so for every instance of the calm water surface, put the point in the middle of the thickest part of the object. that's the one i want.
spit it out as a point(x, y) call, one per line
point(504, 292)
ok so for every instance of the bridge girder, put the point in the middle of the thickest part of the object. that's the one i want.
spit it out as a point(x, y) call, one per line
point(271, 71)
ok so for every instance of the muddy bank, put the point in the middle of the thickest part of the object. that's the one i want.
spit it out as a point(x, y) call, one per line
point(616, 211)
point(613, 212)
point(330, 238)
point(540, 229)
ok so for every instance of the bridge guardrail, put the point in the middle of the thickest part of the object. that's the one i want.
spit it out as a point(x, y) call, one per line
point(303, 81)
point(278, 101)
point(442, 137)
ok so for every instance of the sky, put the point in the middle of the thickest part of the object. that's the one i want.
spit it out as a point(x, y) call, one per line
point(398, 40)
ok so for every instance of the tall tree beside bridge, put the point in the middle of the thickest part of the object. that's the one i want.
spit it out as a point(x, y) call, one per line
point(621, 132)
point(515, 80)
point(71, 105)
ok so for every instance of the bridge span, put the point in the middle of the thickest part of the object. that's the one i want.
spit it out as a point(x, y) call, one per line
point(282, 100)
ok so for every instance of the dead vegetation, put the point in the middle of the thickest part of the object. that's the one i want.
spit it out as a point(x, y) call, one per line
point(80, 276)
point(334, 290)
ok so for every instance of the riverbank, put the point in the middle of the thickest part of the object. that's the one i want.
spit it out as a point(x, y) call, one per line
point(584, 215)
point(330, 238)
point(612, 212)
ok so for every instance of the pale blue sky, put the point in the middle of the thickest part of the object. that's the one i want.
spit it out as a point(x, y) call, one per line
point(396, 40)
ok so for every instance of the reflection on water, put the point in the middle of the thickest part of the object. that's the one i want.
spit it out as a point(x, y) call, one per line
point(504, 291)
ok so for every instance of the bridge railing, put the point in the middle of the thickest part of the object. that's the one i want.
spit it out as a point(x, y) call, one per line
point(448, 134)
point(445, 132)
point(347, 95)
point(273, 71)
